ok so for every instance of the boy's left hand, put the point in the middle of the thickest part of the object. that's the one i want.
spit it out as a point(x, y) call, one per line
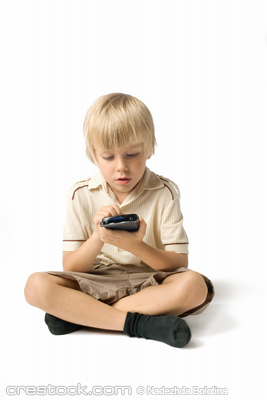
point(123, 239)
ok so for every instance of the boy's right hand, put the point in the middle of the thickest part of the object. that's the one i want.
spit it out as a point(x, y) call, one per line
point(103, 212)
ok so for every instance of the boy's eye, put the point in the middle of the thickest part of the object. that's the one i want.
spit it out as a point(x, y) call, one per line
point(108, 158)
point(132, 155)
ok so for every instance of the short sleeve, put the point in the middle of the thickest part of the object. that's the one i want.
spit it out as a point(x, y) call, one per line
point(173, 235)
point(74, 234)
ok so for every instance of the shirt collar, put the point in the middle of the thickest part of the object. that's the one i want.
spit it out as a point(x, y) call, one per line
point(149, 181)
point(98, 180)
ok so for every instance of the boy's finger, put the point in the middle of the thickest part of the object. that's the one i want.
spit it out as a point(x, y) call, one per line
point(114, 209)
point(117, 208)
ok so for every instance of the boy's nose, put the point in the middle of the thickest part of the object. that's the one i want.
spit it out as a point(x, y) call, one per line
point(121, 165)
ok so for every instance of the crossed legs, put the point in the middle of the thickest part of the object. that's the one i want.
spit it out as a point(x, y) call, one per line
point(63, 298)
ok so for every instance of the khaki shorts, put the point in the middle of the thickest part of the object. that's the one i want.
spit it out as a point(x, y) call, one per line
point(110, 283)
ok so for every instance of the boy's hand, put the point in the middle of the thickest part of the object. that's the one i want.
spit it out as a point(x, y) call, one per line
point(123, 239)
point(103, 212)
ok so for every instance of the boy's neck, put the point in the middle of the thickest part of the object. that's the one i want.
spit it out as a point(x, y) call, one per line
point(120, 197)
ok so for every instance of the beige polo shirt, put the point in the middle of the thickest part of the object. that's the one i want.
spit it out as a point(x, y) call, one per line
point(155, 198)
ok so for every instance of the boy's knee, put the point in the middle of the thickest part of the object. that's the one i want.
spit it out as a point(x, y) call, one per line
point(35, 287)
point(197, 287)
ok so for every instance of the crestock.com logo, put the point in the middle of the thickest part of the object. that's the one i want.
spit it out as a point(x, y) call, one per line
point(51, 390)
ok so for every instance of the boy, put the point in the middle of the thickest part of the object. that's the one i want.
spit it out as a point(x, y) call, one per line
point(134, 282)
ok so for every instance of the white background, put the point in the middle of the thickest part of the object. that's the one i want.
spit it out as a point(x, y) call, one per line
point(200, 67)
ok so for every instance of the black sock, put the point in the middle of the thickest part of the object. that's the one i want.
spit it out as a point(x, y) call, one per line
point(58, 326)
point(164, 328)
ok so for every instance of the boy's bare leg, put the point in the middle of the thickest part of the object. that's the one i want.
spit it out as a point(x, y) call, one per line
point(62, 298)
point(175, 295)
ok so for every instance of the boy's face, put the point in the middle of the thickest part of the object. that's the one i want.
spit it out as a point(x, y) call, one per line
point(122, 168)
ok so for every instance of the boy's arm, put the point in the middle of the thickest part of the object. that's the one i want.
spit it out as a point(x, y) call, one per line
point(160, 260)
point(132, 242)
point(82, 259)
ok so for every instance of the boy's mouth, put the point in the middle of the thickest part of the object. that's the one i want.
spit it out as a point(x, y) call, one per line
point(123, 181)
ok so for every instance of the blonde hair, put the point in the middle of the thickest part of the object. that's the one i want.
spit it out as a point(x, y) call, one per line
point(117, 120)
